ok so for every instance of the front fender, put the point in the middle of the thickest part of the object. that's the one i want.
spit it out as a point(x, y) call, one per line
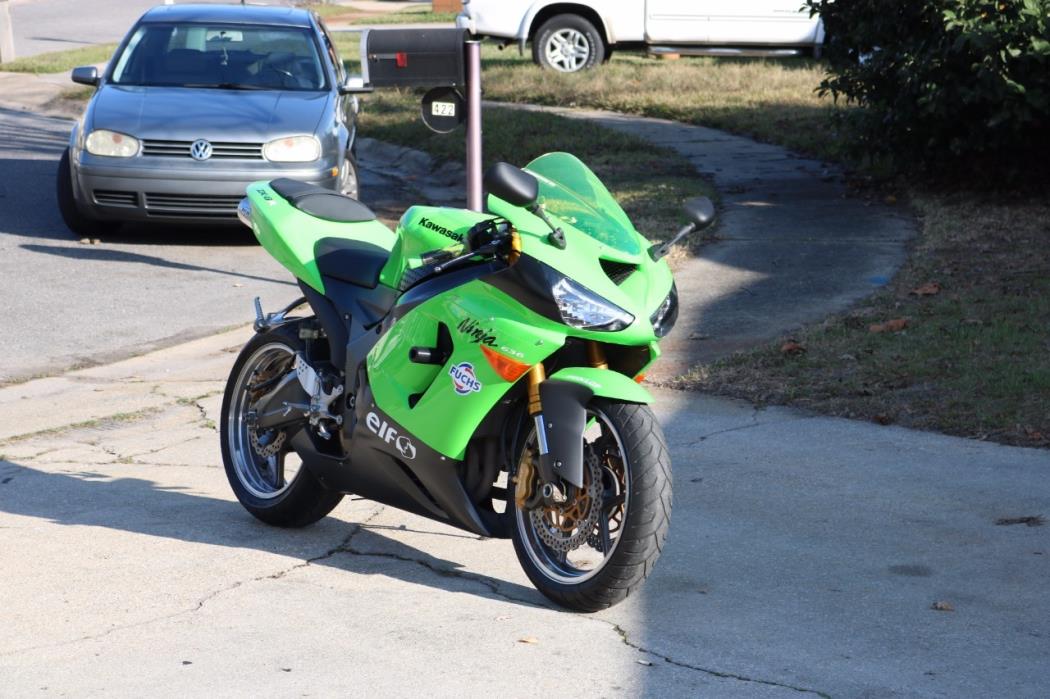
point(606, 384)
point(564, 397)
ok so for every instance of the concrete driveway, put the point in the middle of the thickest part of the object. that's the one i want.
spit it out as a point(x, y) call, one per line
point(805, 556)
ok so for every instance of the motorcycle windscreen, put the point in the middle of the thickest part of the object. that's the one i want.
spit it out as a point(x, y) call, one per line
point(569, 190)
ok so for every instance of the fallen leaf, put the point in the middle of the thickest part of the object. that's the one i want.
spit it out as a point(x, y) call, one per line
point(647, 663)
point(883, 419)
point(942, 607)
point(891, 199)
point(503, 617)
point(529, 639)
point(95, 241)
point(85, 241)
point(792, 348)
point(927, 289)
point(890, 326)
point(1031, 521)
point(237, 285)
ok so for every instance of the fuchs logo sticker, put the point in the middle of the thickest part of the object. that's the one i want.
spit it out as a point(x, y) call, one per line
point(388, 433)
point(464, 379)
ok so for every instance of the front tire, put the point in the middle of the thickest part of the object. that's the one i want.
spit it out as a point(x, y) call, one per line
point(568, 44)
point(72, 216)
point(259, 478)
point(635, 468)
point(350, 179)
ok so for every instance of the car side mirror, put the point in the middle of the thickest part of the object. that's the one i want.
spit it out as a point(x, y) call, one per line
point(512, 185)
point(86, 75)
point(700, 212)
point(354, 85)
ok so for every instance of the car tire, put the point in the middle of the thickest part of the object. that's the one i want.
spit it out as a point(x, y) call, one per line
point(73, 217)
point(568, 44)
point(350, 178)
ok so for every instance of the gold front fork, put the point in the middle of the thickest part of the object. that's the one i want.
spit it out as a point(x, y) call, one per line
point(596, 355)
point(537, 375)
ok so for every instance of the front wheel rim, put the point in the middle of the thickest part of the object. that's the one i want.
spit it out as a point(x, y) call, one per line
point(348, 182)
point(565, 569)
point(567, 50)
point(263, 478)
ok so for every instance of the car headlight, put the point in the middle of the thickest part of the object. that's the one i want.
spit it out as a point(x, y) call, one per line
point(292, 149)
point(111, 144)
point(581, 308)
point(664, 318)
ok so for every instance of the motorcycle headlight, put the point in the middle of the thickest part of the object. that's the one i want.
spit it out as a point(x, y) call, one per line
point(664, 318)
point(111, 144)
point(292, 149)
point(584, 309)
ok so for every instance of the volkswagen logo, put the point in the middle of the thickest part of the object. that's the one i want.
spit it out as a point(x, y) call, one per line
point(200, 150)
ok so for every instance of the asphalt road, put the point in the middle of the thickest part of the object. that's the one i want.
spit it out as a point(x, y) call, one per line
point(41, 26)
point(68, 304)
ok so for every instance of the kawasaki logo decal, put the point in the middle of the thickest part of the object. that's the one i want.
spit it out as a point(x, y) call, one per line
point(388, 434)
point(438, 228)
point(464, 379)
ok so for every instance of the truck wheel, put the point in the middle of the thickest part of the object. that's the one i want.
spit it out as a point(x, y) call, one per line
point(568, 44)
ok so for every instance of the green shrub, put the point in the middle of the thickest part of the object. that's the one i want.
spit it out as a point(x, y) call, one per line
point(944, 83)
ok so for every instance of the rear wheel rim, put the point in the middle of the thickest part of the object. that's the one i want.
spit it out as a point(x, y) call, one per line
point(263, 477)
point(567, 50)
point(568, 569)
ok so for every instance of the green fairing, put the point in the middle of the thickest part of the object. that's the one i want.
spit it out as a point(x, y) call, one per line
point(426, 229)
point(290, 235)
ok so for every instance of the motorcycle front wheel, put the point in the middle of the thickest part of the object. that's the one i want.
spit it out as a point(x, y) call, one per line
point(263, 469)
point(593, 550)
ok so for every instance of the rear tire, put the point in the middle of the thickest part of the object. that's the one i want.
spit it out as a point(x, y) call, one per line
point(642, 528)
point(256, 481)
point(568, 44)
point(74, 219)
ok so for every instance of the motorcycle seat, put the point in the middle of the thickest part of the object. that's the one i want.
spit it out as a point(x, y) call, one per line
point(353, 261)
point(322, 203)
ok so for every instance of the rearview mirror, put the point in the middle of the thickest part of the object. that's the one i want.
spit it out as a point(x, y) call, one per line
point(512, 185)
point(700, 212)
point(86, 75)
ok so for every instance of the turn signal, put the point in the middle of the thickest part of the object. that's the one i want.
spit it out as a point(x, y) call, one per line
point(509, 369)
point(640, 378)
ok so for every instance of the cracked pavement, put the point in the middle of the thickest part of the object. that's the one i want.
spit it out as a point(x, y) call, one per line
point(805, 554)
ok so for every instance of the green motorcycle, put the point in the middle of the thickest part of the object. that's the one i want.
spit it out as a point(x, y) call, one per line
point(480, 369)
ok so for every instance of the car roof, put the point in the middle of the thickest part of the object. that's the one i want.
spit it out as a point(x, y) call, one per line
point(234, 14)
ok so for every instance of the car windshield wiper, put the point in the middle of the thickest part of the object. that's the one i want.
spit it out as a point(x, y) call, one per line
point(228, 86)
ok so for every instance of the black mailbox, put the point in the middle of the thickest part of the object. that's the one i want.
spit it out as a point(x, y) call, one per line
point(413, 57)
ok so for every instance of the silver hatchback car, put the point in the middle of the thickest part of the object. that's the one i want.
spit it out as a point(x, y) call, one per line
point(197, 102)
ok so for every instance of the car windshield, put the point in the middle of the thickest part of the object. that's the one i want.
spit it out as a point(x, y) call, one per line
point(572, 192)
point(222, 56)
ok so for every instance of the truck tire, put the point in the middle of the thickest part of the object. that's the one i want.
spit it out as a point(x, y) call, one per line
point(568, 44)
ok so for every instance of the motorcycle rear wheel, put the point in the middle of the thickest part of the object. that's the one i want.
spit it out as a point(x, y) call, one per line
point(632, 525)
point(260, 482)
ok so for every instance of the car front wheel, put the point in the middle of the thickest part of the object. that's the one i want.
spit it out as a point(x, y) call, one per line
point(568, 44)
point(74, 219)
point(349, 180)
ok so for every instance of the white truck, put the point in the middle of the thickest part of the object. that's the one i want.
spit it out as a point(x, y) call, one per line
point(580, 34)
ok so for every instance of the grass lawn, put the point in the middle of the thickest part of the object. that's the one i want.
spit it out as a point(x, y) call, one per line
point(60, 61)
point(418, 13)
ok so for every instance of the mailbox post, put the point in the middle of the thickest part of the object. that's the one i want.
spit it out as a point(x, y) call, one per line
point(443, 60)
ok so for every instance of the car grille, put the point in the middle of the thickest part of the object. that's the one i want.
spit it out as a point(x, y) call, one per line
point(197, 205)
point(109, 197)
point(226, 150)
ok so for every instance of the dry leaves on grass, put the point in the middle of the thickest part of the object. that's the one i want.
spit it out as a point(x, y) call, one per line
point(890, 326)
point(927, 289)
point(792, 348)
